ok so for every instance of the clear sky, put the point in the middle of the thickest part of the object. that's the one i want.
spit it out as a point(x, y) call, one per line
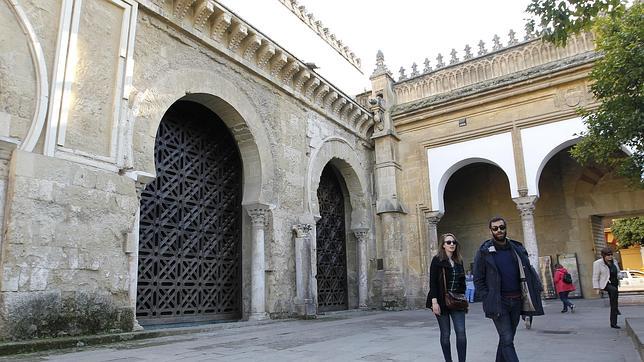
point(406, 31)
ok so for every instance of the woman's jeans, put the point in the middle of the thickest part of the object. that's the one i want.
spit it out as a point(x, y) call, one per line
point(469, 295)
point(506, 326)
point(613, 294)
point(564, 299)
point(458, 317)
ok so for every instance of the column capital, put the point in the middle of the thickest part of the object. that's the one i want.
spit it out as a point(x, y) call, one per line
point(302, 230)
point(526, 204)
point(361, 234)
point(258, 213)
point(433, 217)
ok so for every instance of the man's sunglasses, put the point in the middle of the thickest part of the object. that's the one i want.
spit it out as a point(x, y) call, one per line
point(495, 228)
point(450, 242)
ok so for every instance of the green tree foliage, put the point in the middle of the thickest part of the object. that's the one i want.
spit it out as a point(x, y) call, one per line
point(618, 77)
point(628, 231)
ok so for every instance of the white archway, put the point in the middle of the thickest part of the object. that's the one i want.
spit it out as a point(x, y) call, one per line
point(445, 160)
point(540, 143)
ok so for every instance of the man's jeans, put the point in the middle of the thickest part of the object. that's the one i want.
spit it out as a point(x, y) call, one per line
point(469, 295)
point(506, 326)
point(458, 317)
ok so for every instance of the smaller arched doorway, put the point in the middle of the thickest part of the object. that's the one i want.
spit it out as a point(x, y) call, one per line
point(190, 230)
point(331, 235)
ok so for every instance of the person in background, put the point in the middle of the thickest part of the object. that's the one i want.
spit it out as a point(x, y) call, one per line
point(605, 273)
point(469, 286)
point(448, 264)
point(563, 288)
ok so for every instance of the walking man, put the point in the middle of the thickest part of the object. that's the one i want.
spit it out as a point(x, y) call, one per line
point(507, 284)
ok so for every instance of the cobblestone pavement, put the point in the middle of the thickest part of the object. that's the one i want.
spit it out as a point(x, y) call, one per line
point(380, 336)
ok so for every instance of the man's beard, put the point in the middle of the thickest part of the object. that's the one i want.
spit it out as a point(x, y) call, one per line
point(499, 238)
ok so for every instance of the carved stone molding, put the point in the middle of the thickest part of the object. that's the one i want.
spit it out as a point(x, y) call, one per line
point(258, 216)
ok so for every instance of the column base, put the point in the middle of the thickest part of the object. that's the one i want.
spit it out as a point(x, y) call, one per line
point(259, 316)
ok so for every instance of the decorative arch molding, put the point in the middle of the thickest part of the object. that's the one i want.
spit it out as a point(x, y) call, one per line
point(226, 100)
point(540, 143)
point(342, 155)
point(445, 160)
point(42, 83)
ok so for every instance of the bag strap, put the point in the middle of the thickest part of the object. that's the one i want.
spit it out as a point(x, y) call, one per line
point(444, 281)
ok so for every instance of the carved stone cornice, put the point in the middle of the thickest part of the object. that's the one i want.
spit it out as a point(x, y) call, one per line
point(250, 46)
point(217, 27)
point(322, 32)
point(237, 34)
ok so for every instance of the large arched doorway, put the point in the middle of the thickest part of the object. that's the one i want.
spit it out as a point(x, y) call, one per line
point(474, 194)
point(331, 243)
point(190, 226)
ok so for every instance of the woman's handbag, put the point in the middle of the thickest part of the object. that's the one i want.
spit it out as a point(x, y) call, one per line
point(454, 301)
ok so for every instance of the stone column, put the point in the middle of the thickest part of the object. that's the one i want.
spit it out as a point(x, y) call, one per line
point(258, 215)
point(525, 204)
point(303, 272)
point(431, 220)
point(363, 291)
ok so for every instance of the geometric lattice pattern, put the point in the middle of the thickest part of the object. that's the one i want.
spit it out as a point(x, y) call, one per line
point(190, 229)
point(331, 245)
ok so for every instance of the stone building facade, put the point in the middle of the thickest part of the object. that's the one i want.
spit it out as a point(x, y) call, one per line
point(166, 162)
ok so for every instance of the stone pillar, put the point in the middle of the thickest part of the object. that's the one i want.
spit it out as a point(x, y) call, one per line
point(304, 302)
point(431, 221)
point(525, 204)
point(363, 291)
point(258, 215)
point(387, 174)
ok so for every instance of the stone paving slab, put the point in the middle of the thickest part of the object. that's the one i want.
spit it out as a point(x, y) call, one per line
point(379, 336)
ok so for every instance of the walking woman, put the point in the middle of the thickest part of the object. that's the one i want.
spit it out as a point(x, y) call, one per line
point(564, 286)
point(446, 274)
point(605, 272)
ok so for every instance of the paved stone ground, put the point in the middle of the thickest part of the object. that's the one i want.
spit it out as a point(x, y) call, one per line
point(380, 336)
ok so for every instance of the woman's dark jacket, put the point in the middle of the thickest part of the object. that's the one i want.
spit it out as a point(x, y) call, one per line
point(436, 286)
point(488, 283)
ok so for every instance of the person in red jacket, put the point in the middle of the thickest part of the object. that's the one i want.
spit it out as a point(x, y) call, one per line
point(563, 288)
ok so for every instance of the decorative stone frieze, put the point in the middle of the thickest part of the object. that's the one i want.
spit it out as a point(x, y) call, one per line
point(278, 61)
point(310, 86)
point(499, 63)
point(289, 70)
point(264, 54)
point(181, 7)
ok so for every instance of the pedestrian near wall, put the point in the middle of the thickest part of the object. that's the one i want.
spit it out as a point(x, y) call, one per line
point(564, 286)
point(507, 284)
point(605, 272)
point(469, 286)
point(447, 275)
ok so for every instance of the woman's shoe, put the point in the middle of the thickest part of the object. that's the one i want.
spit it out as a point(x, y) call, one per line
point(564, 311)
point(615, 326)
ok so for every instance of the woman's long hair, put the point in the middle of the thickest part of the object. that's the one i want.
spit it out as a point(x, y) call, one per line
point(442, 255)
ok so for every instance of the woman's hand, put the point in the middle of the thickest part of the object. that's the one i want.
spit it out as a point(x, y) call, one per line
point(436, 308)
